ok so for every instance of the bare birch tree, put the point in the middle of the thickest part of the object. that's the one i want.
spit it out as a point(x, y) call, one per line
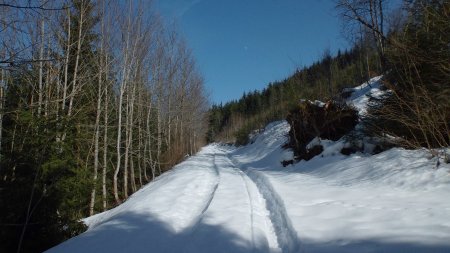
point(369, 14)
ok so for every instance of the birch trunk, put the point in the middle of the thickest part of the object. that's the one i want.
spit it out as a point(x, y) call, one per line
point(140, 137)
point(66, 63)
point(97, 133)
point(41, 69)
point(123, 87)
point(149, 141)
point(77, 61)
point(105, 147)
point(127, 147)
point(119, 137)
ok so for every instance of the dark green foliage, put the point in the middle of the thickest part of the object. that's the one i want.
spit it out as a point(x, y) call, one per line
point(45, 183)
point(308, 120)
point(242, 136)
point(42, 183)
point(41, 180)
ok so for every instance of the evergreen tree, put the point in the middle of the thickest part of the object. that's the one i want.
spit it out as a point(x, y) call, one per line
point(45, 187)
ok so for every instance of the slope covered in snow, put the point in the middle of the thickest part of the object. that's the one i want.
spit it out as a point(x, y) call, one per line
point(227, 199)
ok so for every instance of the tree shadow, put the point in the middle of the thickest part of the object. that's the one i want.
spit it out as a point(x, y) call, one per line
point(133, 232)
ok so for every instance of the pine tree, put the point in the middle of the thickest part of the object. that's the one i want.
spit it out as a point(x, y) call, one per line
point(45, 185)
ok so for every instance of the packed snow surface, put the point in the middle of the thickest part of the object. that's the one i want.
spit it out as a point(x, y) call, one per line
point(228, 199)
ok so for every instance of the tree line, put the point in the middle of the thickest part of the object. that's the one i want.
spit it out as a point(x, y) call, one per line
point(98, 97)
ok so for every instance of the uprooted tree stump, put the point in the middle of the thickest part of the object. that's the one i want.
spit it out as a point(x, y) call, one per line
point(309, 120)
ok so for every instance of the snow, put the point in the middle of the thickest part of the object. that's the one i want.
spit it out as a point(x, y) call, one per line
point(395, 201)
point(228, 199)
point(361, 94)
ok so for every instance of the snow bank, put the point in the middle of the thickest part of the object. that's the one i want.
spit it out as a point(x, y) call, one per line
point(360, 95)
point(395, 201)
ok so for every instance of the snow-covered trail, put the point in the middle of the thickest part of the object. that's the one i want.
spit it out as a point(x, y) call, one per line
point(206, 204)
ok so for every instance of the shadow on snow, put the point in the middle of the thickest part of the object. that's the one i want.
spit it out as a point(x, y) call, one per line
point(140, 233)
point(132, 232)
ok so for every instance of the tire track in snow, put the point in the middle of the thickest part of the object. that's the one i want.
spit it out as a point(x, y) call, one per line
point(211, 196)
point(248, 180)
point(182, 213)
point(286, 235)
point(228, 173)
point(242, 175)
point(252, 221)
point(195, 223)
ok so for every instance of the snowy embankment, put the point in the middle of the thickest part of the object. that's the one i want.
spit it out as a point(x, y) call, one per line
point(227, 199)
point(395, 201)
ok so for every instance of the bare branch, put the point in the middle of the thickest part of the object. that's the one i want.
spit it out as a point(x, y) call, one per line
point(40, 7)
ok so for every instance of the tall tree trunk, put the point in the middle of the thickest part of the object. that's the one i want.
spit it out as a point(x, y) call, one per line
point(106, 104)
point(77, 62)
point(140, 137)
point(2, 83)
point(159, 137)
point(132, 175)
point(127, 146)
point(119, 137)
point(48, 87)
point(66, 62)
point(97, 133)
point(123, 87)
point(145, 160)
point(149, 143)
point(380, 37)
point(105, 146)
point(41, 68)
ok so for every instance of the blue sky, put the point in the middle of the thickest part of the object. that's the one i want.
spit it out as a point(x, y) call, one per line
point(242, 45)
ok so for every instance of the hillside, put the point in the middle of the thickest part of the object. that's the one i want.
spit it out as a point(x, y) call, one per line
point(323, 80)
point(228, 199)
